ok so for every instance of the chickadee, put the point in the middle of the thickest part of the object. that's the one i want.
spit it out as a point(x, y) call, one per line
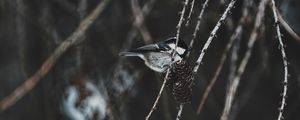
point(158, 56)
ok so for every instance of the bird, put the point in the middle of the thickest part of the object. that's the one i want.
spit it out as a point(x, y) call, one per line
point(158, 56)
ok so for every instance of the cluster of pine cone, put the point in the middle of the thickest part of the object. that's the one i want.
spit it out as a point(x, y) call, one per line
point(180, 81)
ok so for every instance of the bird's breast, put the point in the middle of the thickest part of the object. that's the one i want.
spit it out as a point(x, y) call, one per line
point(158, 61)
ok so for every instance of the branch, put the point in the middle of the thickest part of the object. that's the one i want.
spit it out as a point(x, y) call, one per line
point(285, 63)
point(179, 112)
point(252, 82)
point(179, 25)
point(173, 54)
point(158, 96)
point(30, 83)
point(190, 13)
point(139, 21)
point(287, 27)
point(133, 31)
point(236, 35)
point(204, 6)
point(212, 35)
point(242, 66)
point(165, 102)
point(233, 62)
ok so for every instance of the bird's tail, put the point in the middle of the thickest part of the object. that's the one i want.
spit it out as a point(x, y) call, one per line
point(128, 54)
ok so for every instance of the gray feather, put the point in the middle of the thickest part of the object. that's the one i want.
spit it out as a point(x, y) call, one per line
point(129, 54)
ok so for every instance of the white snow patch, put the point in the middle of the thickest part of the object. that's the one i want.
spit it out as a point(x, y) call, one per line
point(93, 104)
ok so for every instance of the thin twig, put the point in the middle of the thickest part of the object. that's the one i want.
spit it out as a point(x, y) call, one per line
point(252, 83)
point(165, 102)
point(285, 63)
point(182, 12)
point(190, 13)
point(179, 112)
point(212, 35)
point(30, 83)
point(177, 39)
point(204, 6)
point(242, 66)
point(287, 27)
point(236, 35)
point(131, 35)
point(82, 8)
point(172, 57)
point(233, 62)
point(139, 21)
point(158, 96)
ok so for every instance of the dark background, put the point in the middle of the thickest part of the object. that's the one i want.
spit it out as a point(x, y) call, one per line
point(30, 30)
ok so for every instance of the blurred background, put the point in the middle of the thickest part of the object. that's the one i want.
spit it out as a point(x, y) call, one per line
point(91, 82)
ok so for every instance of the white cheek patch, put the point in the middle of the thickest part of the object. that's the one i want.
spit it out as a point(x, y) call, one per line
point(179, 50)
point(172, 46)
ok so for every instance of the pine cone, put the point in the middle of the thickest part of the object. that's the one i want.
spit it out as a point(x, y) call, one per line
point(180, 82)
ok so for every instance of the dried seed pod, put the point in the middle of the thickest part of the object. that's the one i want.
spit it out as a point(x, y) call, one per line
point(180, 82)
point(182, 92)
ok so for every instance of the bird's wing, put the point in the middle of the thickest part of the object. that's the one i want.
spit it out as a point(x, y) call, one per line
point(147, 48)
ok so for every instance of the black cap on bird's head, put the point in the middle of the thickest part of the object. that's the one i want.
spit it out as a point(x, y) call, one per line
point(170, 44)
